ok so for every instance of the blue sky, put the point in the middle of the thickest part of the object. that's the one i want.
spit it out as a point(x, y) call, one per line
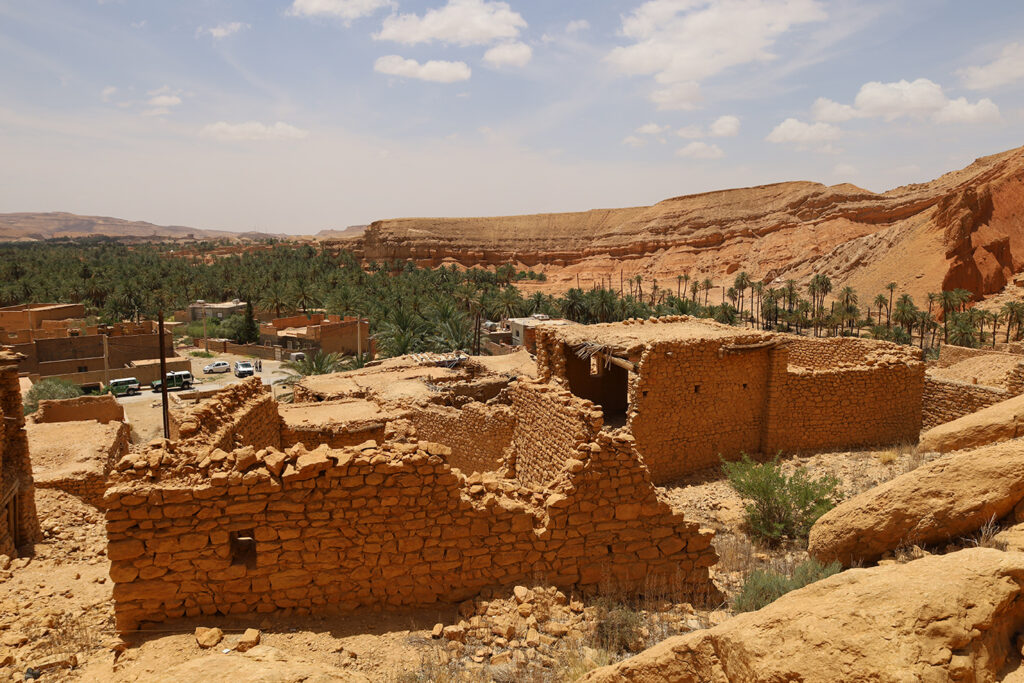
point(298, 115)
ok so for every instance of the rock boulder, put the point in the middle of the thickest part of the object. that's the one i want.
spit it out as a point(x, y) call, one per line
point(1000, 422)
point(941, 618)
point(948, 498)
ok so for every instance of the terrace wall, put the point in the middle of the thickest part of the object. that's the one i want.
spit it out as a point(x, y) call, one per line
point(382, 528)
point(946, 400)
point(90, 486)
point(17, 488)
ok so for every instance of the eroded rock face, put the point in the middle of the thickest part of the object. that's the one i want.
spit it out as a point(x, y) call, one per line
point(960, 230)
point(942, 618)
point(1000, 422)
point(947, 498)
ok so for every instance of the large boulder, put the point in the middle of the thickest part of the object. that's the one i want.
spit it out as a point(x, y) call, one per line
point(942, 618)
point(1000, 422)
point(947, 498)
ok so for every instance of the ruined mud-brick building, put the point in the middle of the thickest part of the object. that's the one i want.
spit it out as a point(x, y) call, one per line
point(223, 520)
point(18, 522)
point(691, 391)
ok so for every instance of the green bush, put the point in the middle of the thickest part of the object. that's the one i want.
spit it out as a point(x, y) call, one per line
point(764, 587)
point(50, 389)
point(200, 354)
point(781, 506)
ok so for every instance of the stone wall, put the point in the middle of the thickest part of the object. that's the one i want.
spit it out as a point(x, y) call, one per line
point(946, 400)
point(17, 489)
point(550, 425)
point(334, 436)
point(333, 530)
point(847, 408)
point(691, 406)
point(479, 435)
point(103, 409)
point(698, 392)
point(89, 485)
point(830, 353)
point(243, 414)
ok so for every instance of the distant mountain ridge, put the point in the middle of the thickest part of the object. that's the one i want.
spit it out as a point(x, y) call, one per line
point(57, 224)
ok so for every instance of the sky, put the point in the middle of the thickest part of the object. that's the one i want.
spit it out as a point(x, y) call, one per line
point(299, 115)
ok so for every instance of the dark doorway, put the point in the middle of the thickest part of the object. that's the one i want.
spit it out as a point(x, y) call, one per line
point(605, 385)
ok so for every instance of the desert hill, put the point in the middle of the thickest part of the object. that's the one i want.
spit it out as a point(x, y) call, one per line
point(964, 229)
point(40, 226)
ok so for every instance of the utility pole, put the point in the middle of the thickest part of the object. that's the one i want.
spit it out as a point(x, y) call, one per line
point(163, 374)
point(106, 361)
point(206, 339)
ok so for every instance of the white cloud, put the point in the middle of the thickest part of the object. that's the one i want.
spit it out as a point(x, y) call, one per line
point(107, 93)
point(577, 26)
point(690, 132)
point(795, 131)
point(683, 42)
point(161, 101)
point(347, 10)
point(651, 129)
point(509, 54)
point(701, 150)
point(962, 111)
point(725, 126)
point(223, 30)
point(1006, 68)
point(459, 22)
point(825, 109)
point(633, 141)
point(918, 99)
point(252, 130)
point(436, 71)
point(677, 96)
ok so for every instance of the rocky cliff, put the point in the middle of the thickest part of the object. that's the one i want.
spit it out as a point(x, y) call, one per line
point(964, 229)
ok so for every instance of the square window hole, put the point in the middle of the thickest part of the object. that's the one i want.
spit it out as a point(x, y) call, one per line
point(696, 388)
point(744, 385)
point(243, 548)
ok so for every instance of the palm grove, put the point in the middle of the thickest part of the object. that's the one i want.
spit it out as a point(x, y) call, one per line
point(413, 309)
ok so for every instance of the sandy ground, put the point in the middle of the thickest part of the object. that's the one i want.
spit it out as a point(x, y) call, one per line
point(988, 370)
point(67, 447)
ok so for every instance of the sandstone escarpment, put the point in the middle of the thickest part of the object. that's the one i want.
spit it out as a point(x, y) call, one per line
point(960, 230)
point(945, 618)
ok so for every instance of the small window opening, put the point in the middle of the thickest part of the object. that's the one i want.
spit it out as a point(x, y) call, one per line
point(744, 385)
point(83, 368)
point(243, 548)
point(696, 388)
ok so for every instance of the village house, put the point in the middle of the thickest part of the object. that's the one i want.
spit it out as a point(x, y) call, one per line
point(347, 335)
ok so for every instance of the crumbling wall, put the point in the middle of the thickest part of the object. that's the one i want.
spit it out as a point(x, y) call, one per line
point(89, 485)
point(478, 434)
point(17, 488)
point(326, 531)
point(243, 414)
point(946, 400)
point(103, 409)
point(550, 424)
point(334, 436)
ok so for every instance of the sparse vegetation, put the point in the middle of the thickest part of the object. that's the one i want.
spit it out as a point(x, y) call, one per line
point(618, 627)
point(50, 389)
point(764, 586)
point(201, 354)
point(781, 506)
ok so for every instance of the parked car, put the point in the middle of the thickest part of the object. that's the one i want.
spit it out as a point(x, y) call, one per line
point(217, 366)
point(125, 386)
point(243, 368)
point(176, 380)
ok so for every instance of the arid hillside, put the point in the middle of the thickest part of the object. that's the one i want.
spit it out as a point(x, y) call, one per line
point(964, 229)
point(40, 226)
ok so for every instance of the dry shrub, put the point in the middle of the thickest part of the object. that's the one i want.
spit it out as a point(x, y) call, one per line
point(887, 457)
point(735, 553)
point(985, 537)
point(70, 634)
